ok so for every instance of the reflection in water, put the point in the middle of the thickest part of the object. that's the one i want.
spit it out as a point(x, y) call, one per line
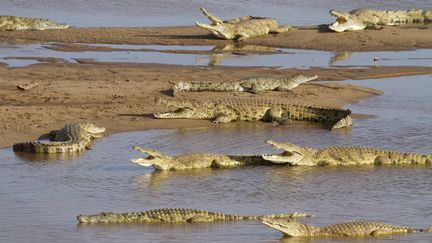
point(37, 157)
point(339, 56)
point(225, 55)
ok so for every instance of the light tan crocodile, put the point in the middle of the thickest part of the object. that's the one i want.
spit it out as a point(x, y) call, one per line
point(24, 23)
point(241, 28)
point(254, 84)
point(335, 156)
point(161, 161)
point(359, 19)
point(71, 138)
point(294, 228)
point(254, 109)
point(174, 215)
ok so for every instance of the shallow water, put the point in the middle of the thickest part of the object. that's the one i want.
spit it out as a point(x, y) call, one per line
point(41, 197)
point(174, 13)
point(12, 54)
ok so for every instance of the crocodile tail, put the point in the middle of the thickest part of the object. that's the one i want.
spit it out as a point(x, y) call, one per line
point(283, 216)
point(346, 121)
point(48, 147)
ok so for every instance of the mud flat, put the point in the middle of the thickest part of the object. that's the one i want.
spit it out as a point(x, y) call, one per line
point(314, 37)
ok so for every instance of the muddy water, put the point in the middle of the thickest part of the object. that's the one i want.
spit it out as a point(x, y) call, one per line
point(15, 55)
point(40, 197)
point(172, 12)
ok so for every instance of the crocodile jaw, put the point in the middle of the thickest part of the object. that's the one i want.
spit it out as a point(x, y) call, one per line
point(344, 23)
point(284, 158)
point(142, 162)
point(182, 113)
point(288, 227)
point(217, 30)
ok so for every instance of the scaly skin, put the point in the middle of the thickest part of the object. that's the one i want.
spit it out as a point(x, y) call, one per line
point(241, 28)
point(71, 138)
point(335, 156)
point(160, 161)
point(23, 23)
point(174, 215)
point(253, 109)
point(293, 228)
point(254, 85)
point(359, 19)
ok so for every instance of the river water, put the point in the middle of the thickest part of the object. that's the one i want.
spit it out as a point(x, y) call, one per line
point(83, 13)
point(40, 197)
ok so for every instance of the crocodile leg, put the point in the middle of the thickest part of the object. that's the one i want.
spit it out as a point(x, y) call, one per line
point(275, 114)
point(282, 29)
point(225, 117)
point(260, 87)
point(225, 163)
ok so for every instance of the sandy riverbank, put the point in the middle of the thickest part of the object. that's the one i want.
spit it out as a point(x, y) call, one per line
point(315, 37)
point(121, 96)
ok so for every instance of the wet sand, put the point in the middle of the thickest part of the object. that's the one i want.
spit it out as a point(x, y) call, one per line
point(121, 96)
point(314, 37)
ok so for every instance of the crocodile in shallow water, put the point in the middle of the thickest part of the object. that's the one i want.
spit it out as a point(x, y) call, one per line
point(24, 23)
point(71, 138)
point(359, 19)
point(294, 228)
point(254, 84)
point(253, 109)
point(161, 161)
point(174, 215)
point(241, 28)
point(296, 155)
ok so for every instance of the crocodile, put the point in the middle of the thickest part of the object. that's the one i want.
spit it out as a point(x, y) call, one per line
point(241, 28)
point(359, 19)
point(254, 84)
point(294, 228)
point(252, 109)
point(74, 137)
point(174, 215)
point(161, 161)
point(344, 155)
point(24, 23)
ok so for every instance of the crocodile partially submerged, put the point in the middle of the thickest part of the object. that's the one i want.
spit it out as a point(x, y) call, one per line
point(161, 161)
point(241, 28)
point(254, 84)
point(23, 23)
point(174, 215)
point(71, 138)
point(359, 19)
point(253, 109)
point(334, 156)
point(294, 228)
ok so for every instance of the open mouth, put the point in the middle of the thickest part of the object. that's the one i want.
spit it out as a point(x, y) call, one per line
point(341, 20)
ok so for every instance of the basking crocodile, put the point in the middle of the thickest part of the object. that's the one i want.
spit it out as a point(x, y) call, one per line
point(174, 215)
point(23, 23)
point(294, 228)
point(296, 155)
point(254, 84)
point(71, 138)
point(359, 19)
point(241, 28)
point(253, 109)
point(194, 160)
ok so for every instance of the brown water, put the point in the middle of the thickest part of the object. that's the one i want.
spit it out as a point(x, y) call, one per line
point(16, 55)
point(174, 12)
point(39, 198)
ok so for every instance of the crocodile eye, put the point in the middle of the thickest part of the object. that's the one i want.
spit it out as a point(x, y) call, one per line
point(341, 20)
